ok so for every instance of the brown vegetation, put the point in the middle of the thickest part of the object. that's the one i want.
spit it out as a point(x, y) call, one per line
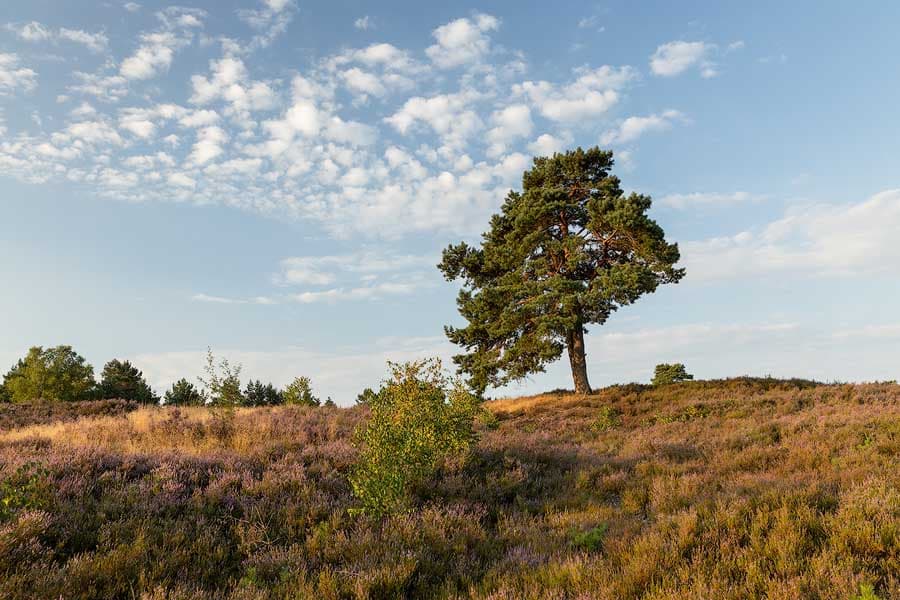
point(729, 490)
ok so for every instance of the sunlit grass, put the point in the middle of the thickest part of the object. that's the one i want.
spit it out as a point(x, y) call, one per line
point(733, 489)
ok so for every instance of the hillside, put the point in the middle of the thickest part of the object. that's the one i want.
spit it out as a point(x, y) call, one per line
point(744, 488)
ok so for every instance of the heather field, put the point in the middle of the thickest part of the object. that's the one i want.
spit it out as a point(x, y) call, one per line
point(743, 488)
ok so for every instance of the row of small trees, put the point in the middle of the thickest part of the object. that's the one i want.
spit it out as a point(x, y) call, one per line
point(59, 374)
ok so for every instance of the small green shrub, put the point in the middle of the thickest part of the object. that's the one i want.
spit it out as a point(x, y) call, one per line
point(590, 540)
point(866, 592)
point(419, 421)
point(488, 419)
point(670, 373)
point(27, 489)
point(608, 418)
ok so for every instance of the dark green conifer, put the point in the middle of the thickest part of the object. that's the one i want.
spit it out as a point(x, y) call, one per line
point(565, 252)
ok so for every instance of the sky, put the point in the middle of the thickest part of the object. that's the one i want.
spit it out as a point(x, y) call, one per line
point(275, 179)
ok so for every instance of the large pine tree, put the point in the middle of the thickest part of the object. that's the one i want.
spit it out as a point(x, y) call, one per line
point(565, 252)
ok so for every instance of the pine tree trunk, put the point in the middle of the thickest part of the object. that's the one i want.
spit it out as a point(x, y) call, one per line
point(575, 344)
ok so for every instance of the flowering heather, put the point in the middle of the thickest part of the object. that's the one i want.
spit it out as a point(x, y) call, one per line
point(734, 489)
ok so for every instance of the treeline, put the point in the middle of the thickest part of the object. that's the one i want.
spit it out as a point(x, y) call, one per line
point(59, 374)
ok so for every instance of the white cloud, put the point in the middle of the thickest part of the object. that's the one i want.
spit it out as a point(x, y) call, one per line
point(634, 127)
point(707, 199)
point(888, 331)
point(209, 145)
point(271, 21)
point(149, 161)
point(31, 32)
point(448, 115)
point(107, 88)
point(819, 240)
point(37, 32)
point(230, 82)
point(181, 180)
point(144, 122)
point(547, 145)
point(592, 94)
point(349, 132)
point(510, 123)
point(157, 49)
point(674, 58)
point(324, 270)
point(224, 300)
point(152, 57)
point(363, 23)
point(592, 22)
point(363, 82)
point(385, 56)
point(13, 77)
point(95, 42)
point(463, 41)
point(91, 132)
point(367, 292)
point(199, 118)
point(132, 6)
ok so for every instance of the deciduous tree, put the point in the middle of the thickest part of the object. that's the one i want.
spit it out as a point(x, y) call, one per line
point(299, 392)
point(51, 374)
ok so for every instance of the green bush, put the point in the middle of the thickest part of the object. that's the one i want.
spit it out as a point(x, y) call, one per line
point(590, 540)
point(419, 421)
point(670, 373)
point(866, 592)
point(608, 418)
point(299, 392)
point(26, 489)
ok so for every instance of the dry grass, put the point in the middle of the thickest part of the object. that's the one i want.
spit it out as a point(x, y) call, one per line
point(732, 489)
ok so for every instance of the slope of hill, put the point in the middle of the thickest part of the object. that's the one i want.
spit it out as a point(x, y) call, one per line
point(744, 488)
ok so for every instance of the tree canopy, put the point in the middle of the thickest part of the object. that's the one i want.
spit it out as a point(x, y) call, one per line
point(565, 252)
point(670, 373)
point(183, 393)
point(51, 374)
point(121, 379)
point(259, 394)
point(300, 392)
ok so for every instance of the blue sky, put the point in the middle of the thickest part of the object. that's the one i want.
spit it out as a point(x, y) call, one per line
point(275, 179)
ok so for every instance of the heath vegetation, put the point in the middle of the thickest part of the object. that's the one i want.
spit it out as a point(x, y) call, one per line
point(733, 489)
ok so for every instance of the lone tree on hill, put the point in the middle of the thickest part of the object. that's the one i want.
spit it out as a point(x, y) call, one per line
point(121, 379)
point(565, 252)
